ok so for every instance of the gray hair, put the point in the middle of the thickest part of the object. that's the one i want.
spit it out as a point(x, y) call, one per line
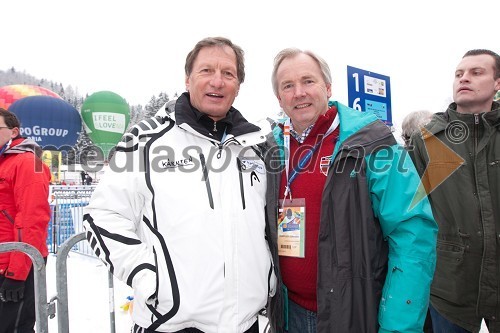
point(293, 52)
point(413, 122)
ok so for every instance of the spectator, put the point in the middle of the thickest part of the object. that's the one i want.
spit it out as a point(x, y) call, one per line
point(413, 122)
point(83, 174)
point(24, 217)
point(88, 179)
point(459, 160)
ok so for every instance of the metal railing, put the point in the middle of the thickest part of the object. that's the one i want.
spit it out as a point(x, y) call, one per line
point(62, 286)
point(42, 308)
point(67, 203)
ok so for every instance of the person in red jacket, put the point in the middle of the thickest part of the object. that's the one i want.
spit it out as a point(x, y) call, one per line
point(24, 217)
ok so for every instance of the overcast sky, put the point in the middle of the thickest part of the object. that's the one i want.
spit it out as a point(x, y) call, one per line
point(138, 48)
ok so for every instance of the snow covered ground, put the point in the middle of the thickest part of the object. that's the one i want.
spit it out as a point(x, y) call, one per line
point(88, 297)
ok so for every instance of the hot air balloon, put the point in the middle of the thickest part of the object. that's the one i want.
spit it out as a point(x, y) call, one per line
point(12, 93)
point(105, 116)
point(49, 121)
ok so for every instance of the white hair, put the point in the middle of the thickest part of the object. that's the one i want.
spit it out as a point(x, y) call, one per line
point(413, 122)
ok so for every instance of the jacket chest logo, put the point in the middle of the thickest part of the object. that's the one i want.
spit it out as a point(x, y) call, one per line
point(324, 164)
point(169, 164)
point(252, 165)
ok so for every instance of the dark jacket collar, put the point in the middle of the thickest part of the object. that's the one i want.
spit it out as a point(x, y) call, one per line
point(234, 122)
point(440, 120)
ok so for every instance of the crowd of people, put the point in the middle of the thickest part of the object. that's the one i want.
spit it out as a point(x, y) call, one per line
point(324, 223)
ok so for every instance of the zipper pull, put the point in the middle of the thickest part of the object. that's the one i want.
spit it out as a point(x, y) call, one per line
point(219, 153)
point(476, 118)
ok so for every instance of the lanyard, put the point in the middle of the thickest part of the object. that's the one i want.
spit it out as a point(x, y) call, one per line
point(303, 161)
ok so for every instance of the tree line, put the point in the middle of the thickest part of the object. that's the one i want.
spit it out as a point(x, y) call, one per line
point(71, 95)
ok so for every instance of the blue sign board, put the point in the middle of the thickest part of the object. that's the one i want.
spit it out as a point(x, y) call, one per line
point(368, 91)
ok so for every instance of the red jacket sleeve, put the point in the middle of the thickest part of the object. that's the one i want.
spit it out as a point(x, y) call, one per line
point(31, 190)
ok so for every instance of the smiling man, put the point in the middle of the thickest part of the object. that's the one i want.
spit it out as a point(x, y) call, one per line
point(362, 258)
point(466, 205)
point(188, 232)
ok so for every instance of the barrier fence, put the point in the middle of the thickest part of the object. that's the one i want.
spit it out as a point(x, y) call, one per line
point(67, 203)
point(44, 309)
point(65, 234)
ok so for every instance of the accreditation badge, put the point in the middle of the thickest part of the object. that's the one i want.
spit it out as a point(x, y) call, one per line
point(292, 227)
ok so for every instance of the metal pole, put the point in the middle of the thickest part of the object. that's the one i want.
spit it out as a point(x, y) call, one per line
point(111, 303)
point(54, 226)
point(41, 307)
point(62, 285)
point(62, 281)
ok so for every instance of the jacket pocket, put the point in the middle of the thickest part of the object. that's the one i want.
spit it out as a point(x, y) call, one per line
point(450, 258)
point(205, 178)
point(386, 294)
point(11, 220)
point(7, 216)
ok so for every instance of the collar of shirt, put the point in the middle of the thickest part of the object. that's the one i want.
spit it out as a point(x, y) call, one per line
point(300, 137)
point(215, 128)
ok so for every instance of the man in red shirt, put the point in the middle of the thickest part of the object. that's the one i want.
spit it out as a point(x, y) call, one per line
point(362, 256)
point(24, 217)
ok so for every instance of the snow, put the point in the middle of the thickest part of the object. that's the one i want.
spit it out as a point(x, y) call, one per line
point(88, 297)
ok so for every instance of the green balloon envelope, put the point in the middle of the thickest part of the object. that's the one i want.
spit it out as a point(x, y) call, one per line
point(105, 116)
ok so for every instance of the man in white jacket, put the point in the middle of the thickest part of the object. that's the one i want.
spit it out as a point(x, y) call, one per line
point(180, 213)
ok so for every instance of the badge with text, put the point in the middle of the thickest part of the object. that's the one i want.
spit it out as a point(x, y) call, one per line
point(292, 227)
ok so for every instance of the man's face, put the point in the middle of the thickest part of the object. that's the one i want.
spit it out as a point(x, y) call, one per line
point(475, 86)
point(213, 83)
point(6, 133)
point(302, 92)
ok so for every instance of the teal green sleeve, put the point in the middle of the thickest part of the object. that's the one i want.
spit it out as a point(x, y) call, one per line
point(411, 236)
point(278, 137)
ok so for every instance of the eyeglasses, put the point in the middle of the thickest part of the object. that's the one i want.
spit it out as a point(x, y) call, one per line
point(5, 127)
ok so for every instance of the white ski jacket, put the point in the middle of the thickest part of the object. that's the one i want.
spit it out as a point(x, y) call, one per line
point(180, 217)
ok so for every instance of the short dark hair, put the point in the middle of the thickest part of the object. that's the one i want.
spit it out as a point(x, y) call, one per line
point(10, 118)
point(217, 41)
point(495, 56)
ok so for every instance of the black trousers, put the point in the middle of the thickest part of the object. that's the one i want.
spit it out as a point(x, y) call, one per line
point(19, 316)
point(138, 329)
